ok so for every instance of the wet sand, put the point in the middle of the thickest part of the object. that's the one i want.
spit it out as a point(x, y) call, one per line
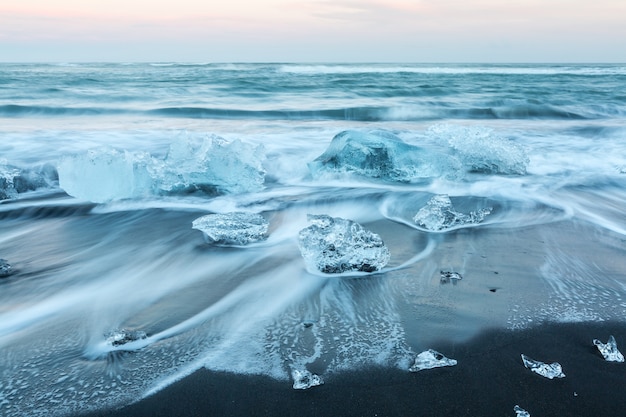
point(489, 380)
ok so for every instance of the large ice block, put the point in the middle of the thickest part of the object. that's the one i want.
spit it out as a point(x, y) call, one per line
point(303, 379)
point(335, 245)
point(439, 214)
point(520, 412)
point(5, 268)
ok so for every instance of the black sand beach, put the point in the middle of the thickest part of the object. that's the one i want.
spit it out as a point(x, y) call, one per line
point(489, 380)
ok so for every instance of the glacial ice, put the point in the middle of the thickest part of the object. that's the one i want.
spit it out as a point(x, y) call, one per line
point(235, 228)
point(430, 359)
point(211, 166)
point(549, 371)
point(15, 180)
point(382, 155)
point(335, 245)
point(303, 379)
point(481, 150)
point(5, 268)
point(123, 336)
point(520, 412)
point(609, 350)
point(449, 276)
point(439, 214)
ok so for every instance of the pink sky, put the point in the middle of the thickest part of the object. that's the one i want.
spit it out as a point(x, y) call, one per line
point(313, 30)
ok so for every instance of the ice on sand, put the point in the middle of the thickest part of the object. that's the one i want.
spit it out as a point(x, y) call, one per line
point(335, 245)
point(549, 371)
point(430, 359)
point(5, 268)
point(439, 214)
point(520, 412)
point(123, 336)
point(235, 228)
point(609, 350)
point(303, 379)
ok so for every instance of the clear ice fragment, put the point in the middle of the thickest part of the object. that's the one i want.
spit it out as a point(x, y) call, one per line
point(609, 350)
point(303, 379)
point(549, 371)
point(235, 228)
point(439, 214)
point(123, 336)
point(5, 268)
point(334, 245)
point(430, 359)
point(520, 412)
point(447, 276)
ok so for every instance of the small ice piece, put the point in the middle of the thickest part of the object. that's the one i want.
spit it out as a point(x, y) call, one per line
point(234, 228)
point(5, 268)
point(123, 336)
point(609, 350)
point(447, 276)
point(334, 245)
point(303, 379)
point(520, 412)
point(430, 359)
point(438, 214)
point(549, 371)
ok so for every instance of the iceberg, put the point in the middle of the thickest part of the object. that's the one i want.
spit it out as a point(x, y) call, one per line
point(232, 228)
point(430, 359)
point(480, 150)
point(381, 155)
point(303, 379)
point(5, 268)
point(123, 336)
point(439, 214)
point(520, 412)
point(211, 166)
point(609, 350)
point(549, 371)
point(334, 245)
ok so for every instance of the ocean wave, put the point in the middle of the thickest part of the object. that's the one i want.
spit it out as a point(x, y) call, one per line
point(18, 110)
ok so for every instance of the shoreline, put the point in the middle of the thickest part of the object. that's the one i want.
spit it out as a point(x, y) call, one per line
point(489, 380)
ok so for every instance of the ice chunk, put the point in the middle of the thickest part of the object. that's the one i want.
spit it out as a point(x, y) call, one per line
point(549, 371)
point(5, 268)
point(105, 174)
point(232, 228)
point(303, 379)
point(481, 150)
point(439, 214)
point(123, 336)
point(520, 412)
point(383, 155)
point(447, 276)
point(430, 359)
point(15, 180)
point(609, 350)
point(334, 245)
point(212, 165)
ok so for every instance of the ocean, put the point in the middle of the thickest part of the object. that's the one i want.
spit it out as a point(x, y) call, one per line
point(498, 191)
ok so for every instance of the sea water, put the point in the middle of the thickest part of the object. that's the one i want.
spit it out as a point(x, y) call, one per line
point(104, 168)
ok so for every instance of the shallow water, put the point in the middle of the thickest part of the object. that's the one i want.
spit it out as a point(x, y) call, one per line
point(551, 248)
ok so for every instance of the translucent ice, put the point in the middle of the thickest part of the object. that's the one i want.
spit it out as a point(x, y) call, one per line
point(210, 166)
point(431, 359)
point(14, 180)
point(481, 150)
point(334, 245)
point(303, 379)
point(5, 268)
point(439, 214)
point(549, 371)
point(448, 276)
point(123, 336)
point(609, 350)
point(380, 154)
point(232, 228)
point(520, 412)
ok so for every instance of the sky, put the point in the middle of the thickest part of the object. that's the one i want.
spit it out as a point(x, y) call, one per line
point(313, 30)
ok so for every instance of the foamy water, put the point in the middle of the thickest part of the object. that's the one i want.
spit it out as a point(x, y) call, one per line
point(103, 168)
